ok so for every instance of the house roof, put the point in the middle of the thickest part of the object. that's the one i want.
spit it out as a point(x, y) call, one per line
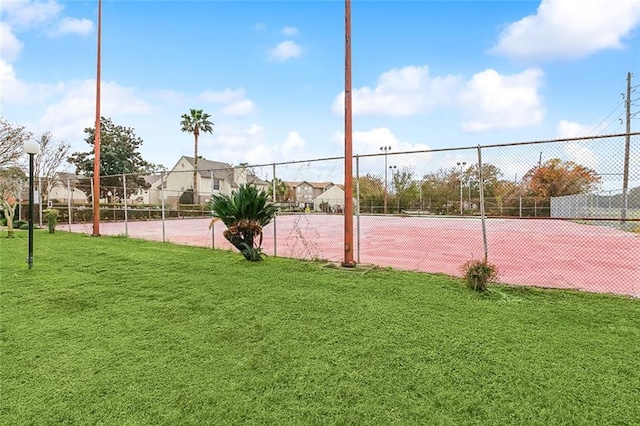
point(205, 166)
point(222, 171)
point(317, 185)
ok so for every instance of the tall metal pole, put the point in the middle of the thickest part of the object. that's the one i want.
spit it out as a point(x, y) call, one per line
point(482, 211)
point(461, 165)
point(386, 187)
point(348, 152)
point(627, 142)
point(30, 255)
point(96, 146)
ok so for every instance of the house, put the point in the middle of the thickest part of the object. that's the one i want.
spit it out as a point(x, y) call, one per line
point(305, 192)
point(213, 177)
point(332, 200)
point(67, 188)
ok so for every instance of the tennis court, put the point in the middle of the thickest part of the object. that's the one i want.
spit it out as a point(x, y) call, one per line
point(530, 252)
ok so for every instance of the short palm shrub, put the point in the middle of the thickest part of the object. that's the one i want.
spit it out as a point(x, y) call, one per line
point(245, 212)
point(51, 217)
point(477, 273)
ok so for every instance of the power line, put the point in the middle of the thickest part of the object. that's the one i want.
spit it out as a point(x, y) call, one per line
point(607, 117)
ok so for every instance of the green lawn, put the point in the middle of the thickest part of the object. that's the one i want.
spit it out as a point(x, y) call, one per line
point(117, 331)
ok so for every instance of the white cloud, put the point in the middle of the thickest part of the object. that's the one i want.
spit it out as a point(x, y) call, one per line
point(492, 101)
point(236, 144)
point(292, 142)
point(26, 13)
point(570, 129)
point(488, 101)
point(240, 108)
point(10, 47)
point(222, 97)
point(570, 29)
point(17, 92)
point(401, 92)
point(68, 117)
point(73, 26)
point(581, 154)
point(289, 31)
point(370, 141)
point(285, 50)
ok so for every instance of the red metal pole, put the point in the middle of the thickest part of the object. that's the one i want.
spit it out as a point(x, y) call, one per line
point(348, 151)
point(96, 146)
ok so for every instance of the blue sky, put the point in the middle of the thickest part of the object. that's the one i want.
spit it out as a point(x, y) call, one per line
point(426, 74)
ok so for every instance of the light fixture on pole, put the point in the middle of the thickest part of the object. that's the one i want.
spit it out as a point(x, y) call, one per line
point(31, 148)
point(386, 191)
point(461, 165)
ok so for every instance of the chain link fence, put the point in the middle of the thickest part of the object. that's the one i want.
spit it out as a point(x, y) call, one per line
point(546, 213)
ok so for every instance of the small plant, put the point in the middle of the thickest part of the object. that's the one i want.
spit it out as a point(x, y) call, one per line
point(477, 273)
point(245, 213)
point(51, 217)
point(24, 226)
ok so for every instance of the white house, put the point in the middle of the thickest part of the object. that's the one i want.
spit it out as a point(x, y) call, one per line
point(213, 177)
point(331, 200)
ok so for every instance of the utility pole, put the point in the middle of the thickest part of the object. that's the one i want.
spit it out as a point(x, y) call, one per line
point(96, 145)
point(348, 149)
point(627, 142)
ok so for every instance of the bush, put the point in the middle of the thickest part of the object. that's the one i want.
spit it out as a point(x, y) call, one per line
point(18, 224)
point(51, 217)
point(3, 221)
point(477, 273)
point(24, 226)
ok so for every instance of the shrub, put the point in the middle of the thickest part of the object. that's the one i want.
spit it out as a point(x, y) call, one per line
point(51, 217)
point(3, 221)
point(477, 273)
point(23, 226)
point(18, 224)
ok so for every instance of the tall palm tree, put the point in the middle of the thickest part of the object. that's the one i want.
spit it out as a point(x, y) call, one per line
point(195, 122)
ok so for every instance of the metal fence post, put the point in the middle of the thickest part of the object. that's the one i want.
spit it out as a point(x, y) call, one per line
point(358, 207)
point(70, 194)
point(520, 205)
point(164, 239)
point(40, 199)
point(126, 217)
point(275, 228)
point(482, 215)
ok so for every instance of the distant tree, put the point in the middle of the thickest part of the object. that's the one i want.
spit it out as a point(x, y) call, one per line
point(48, 161)
point(282, 189)
point(12, 137)
point(555, 178)
point(12, 180)
point(404, 186)
point(371, 187)
point(439, 187)
point(195, 122)
point(118, 155)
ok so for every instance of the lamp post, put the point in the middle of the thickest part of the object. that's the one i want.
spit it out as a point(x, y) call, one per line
point(392, 168)
point(461, 165)
point(32, 148)
point(386, 191)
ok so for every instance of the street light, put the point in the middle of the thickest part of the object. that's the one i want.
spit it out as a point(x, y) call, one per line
point(32, 148)
point(392, 172)
point(385, 149)
point(461, 165)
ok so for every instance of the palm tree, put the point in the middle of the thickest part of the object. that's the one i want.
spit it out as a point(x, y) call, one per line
point(195, 122)
point(281, 189)
point(245, 212)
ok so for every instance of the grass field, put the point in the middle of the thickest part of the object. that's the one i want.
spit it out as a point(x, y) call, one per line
point(112, 330)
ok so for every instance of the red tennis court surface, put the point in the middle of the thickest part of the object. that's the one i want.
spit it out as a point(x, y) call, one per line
point(534, 252)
